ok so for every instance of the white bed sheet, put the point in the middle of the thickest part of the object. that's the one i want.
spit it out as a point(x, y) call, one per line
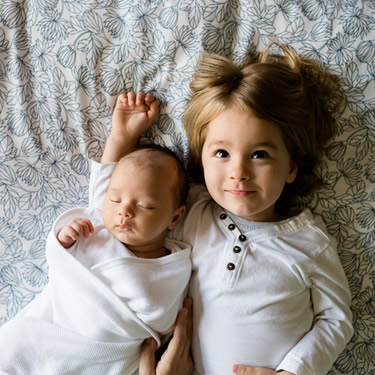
point(63, 62)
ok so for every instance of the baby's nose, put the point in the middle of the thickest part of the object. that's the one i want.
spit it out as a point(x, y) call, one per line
point(125, 211)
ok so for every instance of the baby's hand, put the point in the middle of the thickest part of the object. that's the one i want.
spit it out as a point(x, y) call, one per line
point(133, 114)
point(73, 230)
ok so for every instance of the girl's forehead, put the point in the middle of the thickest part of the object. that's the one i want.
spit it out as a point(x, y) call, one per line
point(234, 113)
point(235, 119)
point(235, 128)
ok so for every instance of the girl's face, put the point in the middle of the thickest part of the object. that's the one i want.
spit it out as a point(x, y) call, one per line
point(246, 164)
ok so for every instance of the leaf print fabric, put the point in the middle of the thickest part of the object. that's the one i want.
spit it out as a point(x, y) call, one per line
point(63, 62)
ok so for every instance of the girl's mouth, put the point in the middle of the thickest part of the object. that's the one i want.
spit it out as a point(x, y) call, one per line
point(240, 193)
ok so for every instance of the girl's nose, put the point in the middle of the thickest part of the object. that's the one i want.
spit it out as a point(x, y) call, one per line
point(239, 171)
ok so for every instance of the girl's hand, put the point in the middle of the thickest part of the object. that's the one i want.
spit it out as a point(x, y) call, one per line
point(245, 370)
point(73, 230)
point(176, 359)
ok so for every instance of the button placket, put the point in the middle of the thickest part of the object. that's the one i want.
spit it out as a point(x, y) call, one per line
point(234, 258)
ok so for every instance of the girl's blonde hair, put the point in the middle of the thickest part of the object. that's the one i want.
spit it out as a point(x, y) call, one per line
point(297, 94)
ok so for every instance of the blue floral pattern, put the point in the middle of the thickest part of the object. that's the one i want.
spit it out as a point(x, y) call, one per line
point(63, 62)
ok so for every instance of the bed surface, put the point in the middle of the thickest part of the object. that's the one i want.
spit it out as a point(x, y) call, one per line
point(63, 62)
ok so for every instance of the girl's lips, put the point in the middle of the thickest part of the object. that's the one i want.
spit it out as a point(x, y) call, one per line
point(240, 193)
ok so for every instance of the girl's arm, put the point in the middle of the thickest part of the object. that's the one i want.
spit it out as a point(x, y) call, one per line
point(332, 328)
point(316, 352)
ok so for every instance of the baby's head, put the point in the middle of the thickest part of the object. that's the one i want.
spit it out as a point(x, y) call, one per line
point(145, 199)
point(296, 95)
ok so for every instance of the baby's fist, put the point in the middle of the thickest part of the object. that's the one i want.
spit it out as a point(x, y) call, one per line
point(73, 230)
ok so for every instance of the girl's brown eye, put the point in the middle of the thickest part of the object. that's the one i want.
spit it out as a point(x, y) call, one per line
point(221, 154)
point(259, 155)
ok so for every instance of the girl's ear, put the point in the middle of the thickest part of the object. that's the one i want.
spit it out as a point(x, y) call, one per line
point(177, 217)
point(292, 172)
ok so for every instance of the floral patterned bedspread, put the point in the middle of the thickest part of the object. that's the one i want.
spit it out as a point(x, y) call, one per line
point(63, 62)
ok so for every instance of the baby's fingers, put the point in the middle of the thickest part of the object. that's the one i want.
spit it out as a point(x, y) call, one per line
point(81, 227)
point(86, 227)
point(122, 99)
point(140, 98)
point(149, 98)
point(131, 98)
point(153, 111)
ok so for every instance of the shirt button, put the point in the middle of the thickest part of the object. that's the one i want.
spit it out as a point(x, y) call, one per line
point(223, 216)
point(242, 238)
point(231, 226)
point(237, 249)
point(231, 266)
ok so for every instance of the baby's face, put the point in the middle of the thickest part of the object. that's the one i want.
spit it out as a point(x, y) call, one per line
point(139, 207)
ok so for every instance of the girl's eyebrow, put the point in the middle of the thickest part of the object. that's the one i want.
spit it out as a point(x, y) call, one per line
point(267, 144)
point(216, 142)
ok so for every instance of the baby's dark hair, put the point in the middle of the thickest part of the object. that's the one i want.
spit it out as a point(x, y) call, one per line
point(182, 177)
point(298, 95)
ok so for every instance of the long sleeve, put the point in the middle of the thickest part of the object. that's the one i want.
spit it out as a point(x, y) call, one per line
point(316, 352)
point(99, 182)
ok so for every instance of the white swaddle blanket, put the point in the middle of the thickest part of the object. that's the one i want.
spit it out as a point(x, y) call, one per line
point(91, 319)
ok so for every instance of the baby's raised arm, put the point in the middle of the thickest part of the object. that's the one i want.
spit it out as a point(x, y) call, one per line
point(132, 116)
point(73, 230)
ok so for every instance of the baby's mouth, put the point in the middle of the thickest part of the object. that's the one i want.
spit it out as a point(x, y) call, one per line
point(124, 228)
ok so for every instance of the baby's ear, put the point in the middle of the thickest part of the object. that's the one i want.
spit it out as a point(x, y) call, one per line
point(177, 217)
